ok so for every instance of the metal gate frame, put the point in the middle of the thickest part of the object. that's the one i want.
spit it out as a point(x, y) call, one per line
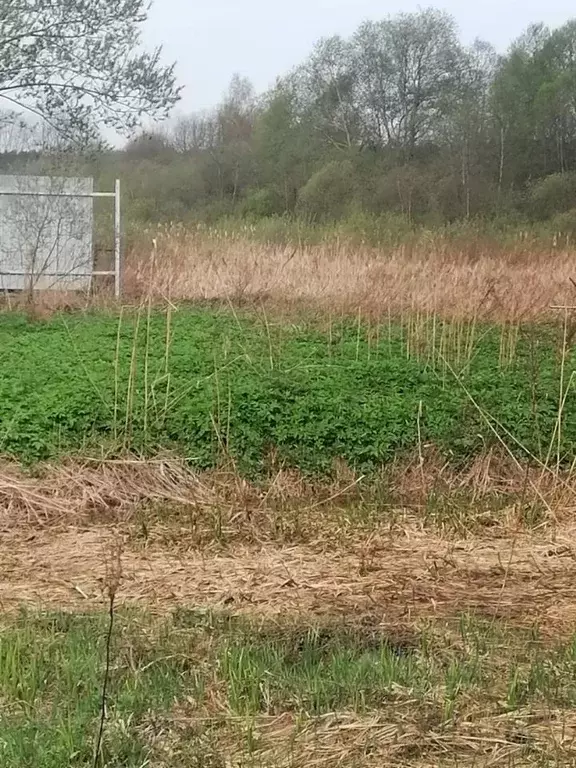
point(117, 271)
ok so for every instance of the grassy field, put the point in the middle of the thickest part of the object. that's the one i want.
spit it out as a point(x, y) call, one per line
point(207, 689)
point(332, 527)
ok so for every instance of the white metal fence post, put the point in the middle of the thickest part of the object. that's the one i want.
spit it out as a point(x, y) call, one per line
point(117, 241)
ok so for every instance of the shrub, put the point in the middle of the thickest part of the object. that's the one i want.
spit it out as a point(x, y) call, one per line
point(554, 194)
point(261, 203)
point(329, 193)
point(565, 223)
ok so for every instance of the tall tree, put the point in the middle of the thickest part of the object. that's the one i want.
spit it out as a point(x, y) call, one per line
point(467, 140)
point(408, 70)
point(535, 104)
point(235, 118)
point(287, 145)
point(326, 85)
point(237, 110)
point(555, 103)
point(195, 133)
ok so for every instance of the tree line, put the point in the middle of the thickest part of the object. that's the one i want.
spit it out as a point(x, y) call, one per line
point(399, 118)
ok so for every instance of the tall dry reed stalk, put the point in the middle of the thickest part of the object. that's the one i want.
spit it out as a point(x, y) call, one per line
point(482, 281)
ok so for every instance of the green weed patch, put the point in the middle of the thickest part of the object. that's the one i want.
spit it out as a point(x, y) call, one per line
point(212, 386)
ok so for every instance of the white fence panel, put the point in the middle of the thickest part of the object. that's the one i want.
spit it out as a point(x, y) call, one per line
point(46, 233)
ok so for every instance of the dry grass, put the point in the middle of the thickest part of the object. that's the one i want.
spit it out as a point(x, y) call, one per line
point(402, 576)
point(395, 738)
point(291, 555)
point(478, 280)
point(97, 492)
point(292, 545)
point(493, 490)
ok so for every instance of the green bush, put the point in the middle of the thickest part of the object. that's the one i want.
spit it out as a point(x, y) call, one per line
point(330, 193)
point(564, 223)
point(262, 203)
point(377, 230)
point(405, 190)
point(552, 195)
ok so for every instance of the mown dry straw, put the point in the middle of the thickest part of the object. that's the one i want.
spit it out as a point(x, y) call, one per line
point(399, 736)
point(287, 546)
point(401, 575)
point(110, 491)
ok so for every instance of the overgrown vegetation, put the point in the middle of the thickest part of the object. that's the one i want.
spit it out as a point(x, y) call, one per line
point(329, 440)
point(215, 386)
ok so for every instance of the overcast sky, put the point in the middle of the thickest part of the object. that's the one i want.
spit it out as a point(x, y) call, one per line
point(261, 39)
